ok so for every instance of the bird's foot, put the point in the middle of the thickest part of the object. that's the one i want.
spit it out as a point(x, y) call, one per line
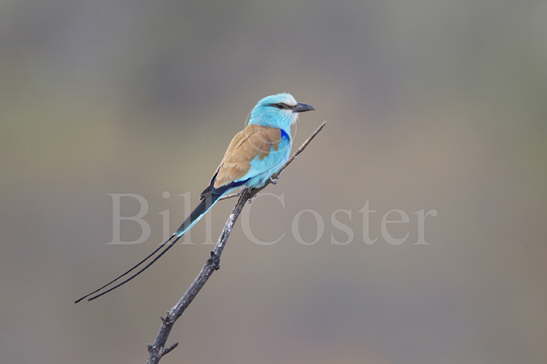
point(274, 180)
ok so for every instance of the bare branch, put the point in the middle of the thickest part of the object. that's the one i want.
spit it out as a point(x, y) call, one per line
point(158, 349)
point(229, 196)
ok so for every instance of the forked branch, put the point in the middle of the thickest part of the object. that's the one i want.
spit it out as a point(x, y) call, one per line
point(158, 349)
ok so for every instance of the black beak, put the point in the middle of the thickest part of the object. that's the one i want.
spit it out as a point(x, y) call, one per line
point(300, 107)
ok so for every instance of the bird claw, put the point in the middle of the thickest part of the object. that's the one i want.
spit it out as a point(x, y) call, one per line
point(273, 180)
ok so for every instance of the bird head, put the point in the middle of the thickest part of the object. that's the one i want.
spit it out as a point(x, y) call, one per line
point(278, 111)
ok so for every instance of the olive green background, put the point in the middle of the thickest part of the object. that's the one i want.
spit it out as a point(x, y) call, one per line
point(431, 104)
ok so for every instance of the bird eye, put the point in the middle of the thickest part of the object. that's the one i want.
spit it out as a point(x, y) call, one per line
point(282, 106)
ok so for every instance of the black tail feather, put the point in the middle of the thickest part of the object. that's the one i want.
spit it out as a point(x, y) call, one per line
point(136, 273)
point(202, 207)
point(119, 276)
point(208, 198)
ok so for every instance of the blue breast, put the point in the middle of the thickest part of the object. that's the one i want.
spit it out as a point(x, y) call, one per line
point(262, 169)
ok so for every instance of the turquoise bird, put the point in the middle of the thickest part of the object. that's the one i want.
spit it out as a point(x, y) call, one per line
point(253, 156)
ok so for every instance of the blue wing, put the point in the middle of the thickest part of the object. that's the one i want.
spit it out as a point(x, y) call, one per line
point(262, 168)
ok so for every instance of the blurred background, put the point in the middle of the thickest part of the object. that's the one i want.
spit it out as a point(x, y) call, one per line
point(431, 104)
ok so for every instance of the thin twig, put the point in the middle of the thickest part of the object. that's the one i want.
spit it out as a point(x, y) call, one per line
point(229, 196)
point(158, 349)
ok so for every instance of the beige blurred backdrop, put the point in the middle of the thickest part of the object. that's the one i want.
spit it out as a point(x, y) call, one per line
point(431, 104)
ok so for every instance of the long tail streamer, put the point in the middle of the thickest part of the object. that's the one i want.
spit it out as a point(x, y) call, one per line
point(204, 206)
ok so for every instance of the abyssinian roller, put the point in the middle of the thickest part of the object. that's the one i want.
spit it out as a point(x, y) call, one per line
point(253, 156)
